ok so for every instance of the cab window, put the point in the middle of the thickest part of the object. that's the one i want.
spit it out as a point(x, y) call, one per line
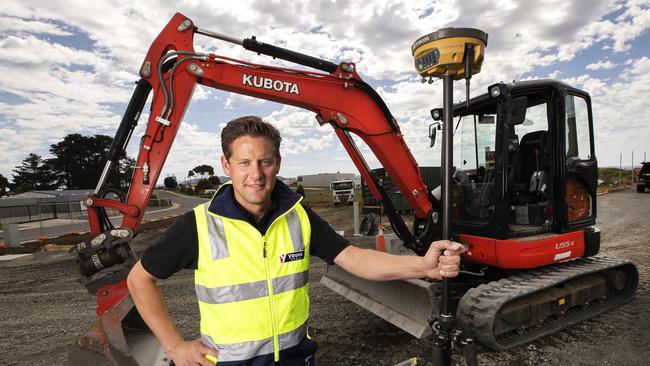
point(576, 136)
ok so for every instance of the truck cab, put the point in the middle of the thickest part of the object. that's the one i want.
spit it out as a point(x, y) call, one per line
point(643, 177)
point(342, 191)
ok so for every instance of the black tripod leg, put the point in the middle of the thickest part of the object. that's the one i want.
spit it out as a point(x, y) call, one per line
point(441, 354)
point(469, 352)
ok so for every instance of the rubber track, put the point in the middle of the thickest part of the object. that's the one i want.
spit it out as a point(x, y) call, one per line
point(477, 309)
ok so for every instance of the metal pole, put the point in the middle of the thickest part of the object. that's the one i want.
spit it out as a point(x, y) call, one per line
point(355, 207)
point(442, 344)
point(220, 36)
point(40, 216)
point(632, 180)
point(447, 164)
point(620, 168)
point(102, 178)
point(70, 212)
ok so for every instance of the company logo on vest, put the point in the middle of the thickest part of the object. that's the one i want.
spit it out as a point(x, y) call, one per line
point(290, 257)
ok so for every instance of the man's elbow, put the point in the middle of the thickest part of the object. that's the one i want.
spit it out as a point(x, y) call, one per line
point(355, 261)
point(136, 277)
point(130, 280)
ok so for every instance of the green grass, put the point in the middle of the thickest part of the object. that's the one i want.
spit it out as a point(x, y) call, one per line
point(610, 178)
point(323, 195)
point(320, 195)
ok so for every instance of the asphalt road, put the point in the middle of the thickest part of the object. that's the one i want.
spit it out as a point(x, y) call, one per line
point(56, 227)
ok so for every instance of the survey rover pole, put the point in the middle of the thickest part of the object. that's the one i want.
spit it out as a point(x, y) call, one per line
point(442, 346)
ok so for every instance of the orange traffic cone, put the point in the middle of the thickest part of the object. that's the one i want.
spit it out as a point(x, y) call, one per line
point(380, 244)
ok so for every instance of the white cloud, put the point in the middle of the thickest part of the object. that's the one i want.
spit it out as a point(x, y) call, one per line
point(193, 147)
point(201, 93)
point(29, 51)
point(49, 88)
point(620, 115)
point(236, 101)
point(601, 65)
point(294, 122)
point(633, 22)
point(10, 24)
point(292, 146)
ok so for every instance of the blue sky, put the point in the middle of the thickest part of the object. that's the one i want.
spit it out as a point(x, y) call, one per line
point(69, 67)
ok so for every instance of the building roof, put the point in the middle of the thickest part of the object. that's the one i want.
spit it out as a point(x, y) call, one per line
point(53, 193)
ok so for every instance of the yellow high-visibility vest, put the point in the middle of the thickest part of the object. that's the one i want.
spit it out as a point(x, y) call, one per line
point(252, 288)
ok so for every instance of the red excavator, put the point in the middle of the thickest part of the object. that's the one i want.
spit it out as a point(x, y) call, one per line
point(518, 189)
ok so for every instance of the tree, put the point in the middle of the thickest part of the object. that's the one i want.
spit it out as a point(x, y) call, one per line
point(4, 184)
point(32, 173)
point(190, 174)
point(79, 161)
point(187, 190)
point(204, 170)
point(300, 190)
point(215, 181)
point(170, 182)
point(202, 185)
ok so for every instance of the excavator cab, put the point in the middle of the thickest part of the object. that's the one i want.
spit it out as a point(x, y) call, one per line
point(524, 161)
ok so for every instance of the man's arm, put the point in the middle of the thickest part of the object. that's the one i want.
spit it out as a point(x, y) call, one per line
point(147, 299)
point(442, 259)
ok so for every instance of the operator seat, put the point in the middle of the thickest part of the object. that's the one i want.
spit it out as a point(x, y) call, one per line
point(531, 170)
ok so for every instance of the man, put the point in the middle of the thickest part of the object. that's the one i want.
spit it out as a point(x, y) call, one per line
point(250, 248)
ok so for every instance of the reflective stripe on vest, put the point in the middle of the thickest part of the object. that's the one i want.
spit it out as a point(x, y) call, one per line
point(248, 350)
point(251, 290)
point(217, 239)
point(249, 302)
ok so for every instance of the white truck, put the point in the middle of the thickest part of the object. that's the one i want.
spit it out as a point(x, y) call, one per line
point(342, 191)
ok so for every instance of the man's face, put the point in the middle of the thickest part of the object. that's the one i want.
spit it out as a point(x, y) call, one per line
point(252, 168)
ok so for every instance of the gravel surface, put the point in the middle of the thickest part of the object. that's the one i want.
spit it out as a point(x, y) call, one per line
point(44, 309)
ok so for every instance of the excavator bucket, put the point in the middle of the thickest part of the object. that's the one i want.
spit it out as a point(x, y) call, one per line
point(407, 304)
point(119, 337)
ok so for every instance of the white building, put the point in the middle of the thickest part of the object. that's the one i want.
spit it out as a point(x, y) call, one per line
point(324, 179)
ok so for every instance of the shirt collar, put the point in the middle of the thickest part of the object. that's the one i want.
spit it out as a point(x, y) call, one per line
point(224, 204)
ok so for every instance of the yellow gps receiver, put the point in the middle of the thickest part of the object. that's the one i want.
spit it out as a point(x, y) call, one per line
point(450, 51)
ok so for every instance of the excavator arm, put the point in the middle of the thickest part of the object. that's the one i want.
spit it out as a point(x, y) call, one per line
point(340, 98)
point(171, 70)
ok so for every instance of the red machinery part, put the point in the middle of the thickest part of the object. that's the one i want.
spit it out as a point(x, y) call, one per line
point(578, 200)
point(335, 98)
point(110, 295)
point(521, 254)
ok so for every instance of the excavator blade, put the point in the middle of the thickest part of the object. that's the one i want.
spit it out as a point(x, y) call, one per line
point(410, 305)
point(407, 304)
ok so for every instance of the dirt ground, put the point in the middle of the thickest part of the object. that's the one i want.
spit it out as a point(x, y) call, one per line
point(44, 309)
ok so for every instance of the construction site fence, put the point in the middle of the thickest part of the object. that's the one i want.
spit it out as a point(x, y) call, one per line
point(38, 209)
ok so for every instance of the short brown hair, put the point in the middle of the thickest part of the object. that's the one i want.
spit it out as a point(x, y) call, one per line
point(248, 126)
